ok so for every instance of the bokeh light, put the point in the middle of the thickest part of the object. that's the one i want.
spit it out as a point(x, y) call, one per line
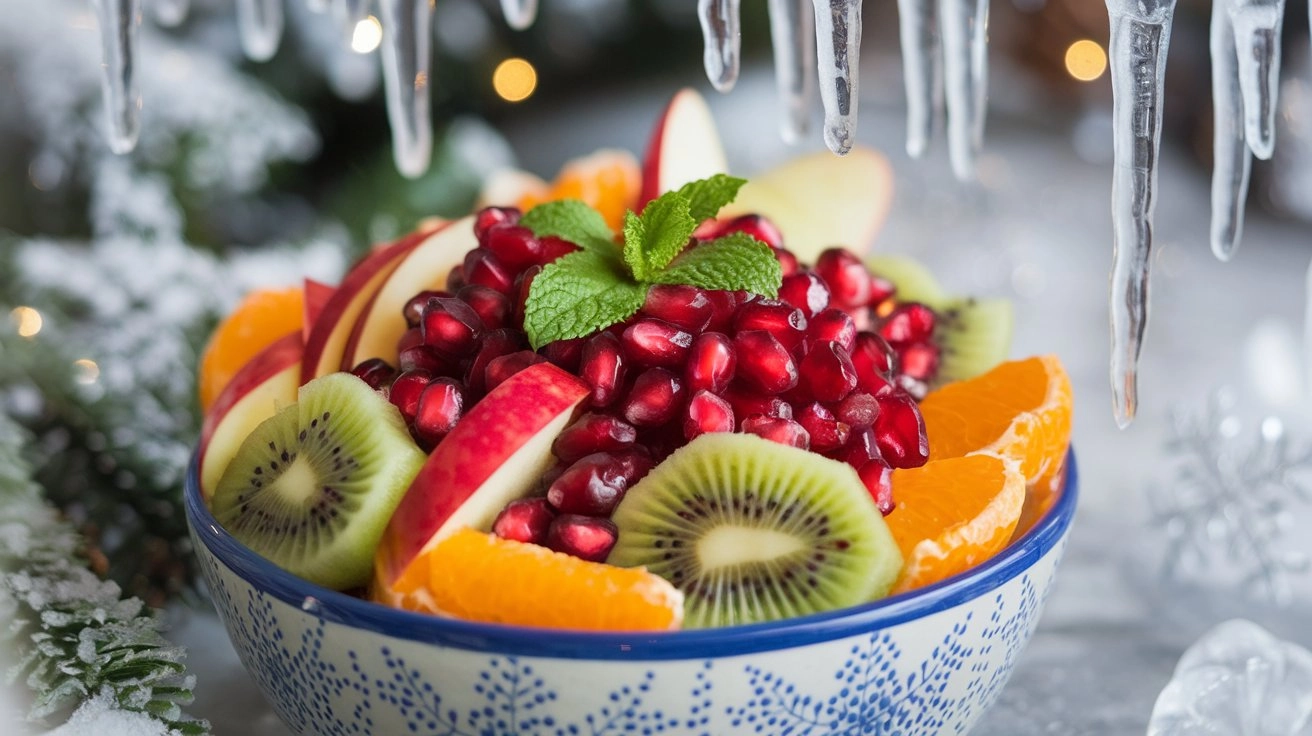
point(1086, 60)
point(367, 36)
point(515, 79)
point(87, 371)
point(27, 321)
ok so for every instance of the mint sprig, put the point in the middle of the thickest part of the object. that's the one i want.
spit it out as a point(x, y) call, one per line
point(606, 283)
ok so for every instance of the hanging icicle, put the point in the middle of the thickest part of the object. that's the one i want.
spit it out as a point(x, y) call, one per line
point(260, 24)
point(792, 34)
point(1140, 36)
point(519, 14)
point(723, 39)
point(169, 13)
point(119, 21)
point(838, 54)
point(407, 39)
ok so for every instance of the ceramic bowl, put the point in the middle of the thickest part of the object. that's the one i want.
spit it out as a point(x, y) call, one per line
point(927, 662)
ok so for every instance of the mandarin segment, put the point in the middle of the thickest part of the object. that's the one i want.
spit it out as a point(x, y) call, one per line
point(953, 514)
point(1020, 409)
point(607, 180)
point(261, 318)
point(479, 577)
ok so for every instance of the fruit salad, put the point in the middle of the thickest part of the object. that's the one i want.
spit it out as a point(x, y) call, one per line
point(638, 398)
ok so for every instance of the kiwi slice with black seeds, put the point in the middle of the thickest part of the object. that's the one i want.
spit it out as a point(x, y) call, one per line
point(313, 487)
point(751, 531)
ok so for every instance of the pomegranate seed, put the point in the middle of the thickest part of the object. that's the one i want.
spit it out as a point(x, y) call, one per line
point(490, 216)
point(788, 264)
point(456, 279)
point(806, 291)
point(451, 326)
point(847, 278)
point(860, 449)
point(411, 338)
point(900, 431)
point(514, 246)
point(525, 520)
point(711, 363)
point(376, 372)
point(881, 290)
point(783, 431)
point(484, 269)
point(424, 358)
point(685, 306)
point(654, 342)
point(581, 536)
point(564, 353)
point(440, 406)
point(724, 305)
point(763, 362)
point(520, 290)
point(492, 306)
point(593, 433)
point(746, 402)
point(414, 309)
point(874, 360)
point(499, 369)
point(656, 397)
point(878, 479)
point(827, 433)
point(594, 484)
point(858, 411)
point(603, 367)
point(406, 390)
point(756, 226)
point(495, 344)
point(919, 360)
point(706, 413)
point(827, 372)
point(553, 248)
point(783, 320)
point(832, 325)
point(908, 323)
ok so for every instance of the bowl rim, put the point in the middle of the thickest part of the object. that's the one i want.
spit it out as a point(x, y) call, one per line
point(340, 608)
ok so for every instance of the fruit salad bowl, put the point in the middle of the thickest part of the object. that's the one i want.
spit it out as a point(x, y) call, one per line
point(930, 661)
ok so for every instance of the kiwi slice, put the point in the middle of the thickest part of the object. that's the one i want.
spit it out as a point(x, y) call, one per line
point(753, 531)
point(973, 335)
point(313, 487)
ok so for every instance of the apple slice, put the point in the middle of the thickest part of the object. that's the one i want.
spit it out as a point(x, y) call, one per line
point(685, 146)
point(821, 200)
point(380, 325)
point(325, 343)
point(266, 383)
point(317, 295)
point(493, 456)
point(508, 187)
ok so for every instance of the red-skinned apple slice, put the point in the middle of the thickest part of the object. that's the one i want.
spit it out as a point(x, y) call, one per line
point(685, 146)
point(267, 382)
point(380, 325)
point(493, 456)
point(317, 296)
point(327, 339)
point(821, 200)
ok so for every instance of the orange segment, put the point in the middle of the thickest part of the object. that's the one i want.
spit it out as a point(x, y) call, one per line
point(952, 515)
point(608, 180)
point(1020, 410)
point(261, 318)
point(480, 577)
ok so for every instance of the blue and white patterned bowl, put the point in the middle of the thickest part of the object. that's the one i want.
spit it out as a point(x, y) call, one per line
point(927, 662)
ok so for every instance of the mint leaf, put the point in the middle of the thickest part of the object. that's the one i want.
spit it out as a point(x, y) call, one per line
point(736, 262)
point(655, 237)
point(706, 196)
point(572, 220)
point(577, 295)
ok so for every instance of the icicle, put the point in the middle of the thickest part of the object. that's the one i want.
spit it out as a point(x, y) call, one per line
point(119, 20)
point(963, 28)
point(792, 33)
point(316, 6)
point(349, 13)
point(259, 23)
point(838, 50)
point(169, 12)
point(407, 37)
point(1231, 164)
point(1140, 35)
point(918, 20)
point(723, 39)
point(520, 14)
point(1257, 40)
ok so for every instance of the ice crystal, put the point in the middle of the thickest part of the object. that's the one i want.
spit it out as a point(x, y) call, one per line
point(1230, 498)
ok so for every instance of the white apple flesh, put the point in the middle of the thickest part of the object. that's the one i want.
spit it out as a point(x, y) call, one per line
point(685, 146)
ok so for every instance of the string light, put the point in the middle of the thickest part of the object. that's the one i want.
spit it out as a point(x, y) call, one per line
point(27, 321)
point(514, 80)
point(1086, 60)
point(368, 35)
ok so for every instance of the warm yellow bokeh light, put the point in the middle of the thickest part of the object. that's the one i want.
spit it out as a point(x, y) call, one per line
point(367, 36)
point(515, 79)
point(1086, 60)
point(27, 320)
point(87, 371)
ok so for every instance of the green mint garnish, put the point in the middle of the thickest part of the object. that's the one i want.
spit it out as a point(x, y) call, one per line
point(607, 283)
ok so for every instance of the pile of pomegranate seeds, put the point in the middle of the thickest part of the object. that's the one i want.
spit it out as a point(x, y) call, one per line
point(833, 365)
